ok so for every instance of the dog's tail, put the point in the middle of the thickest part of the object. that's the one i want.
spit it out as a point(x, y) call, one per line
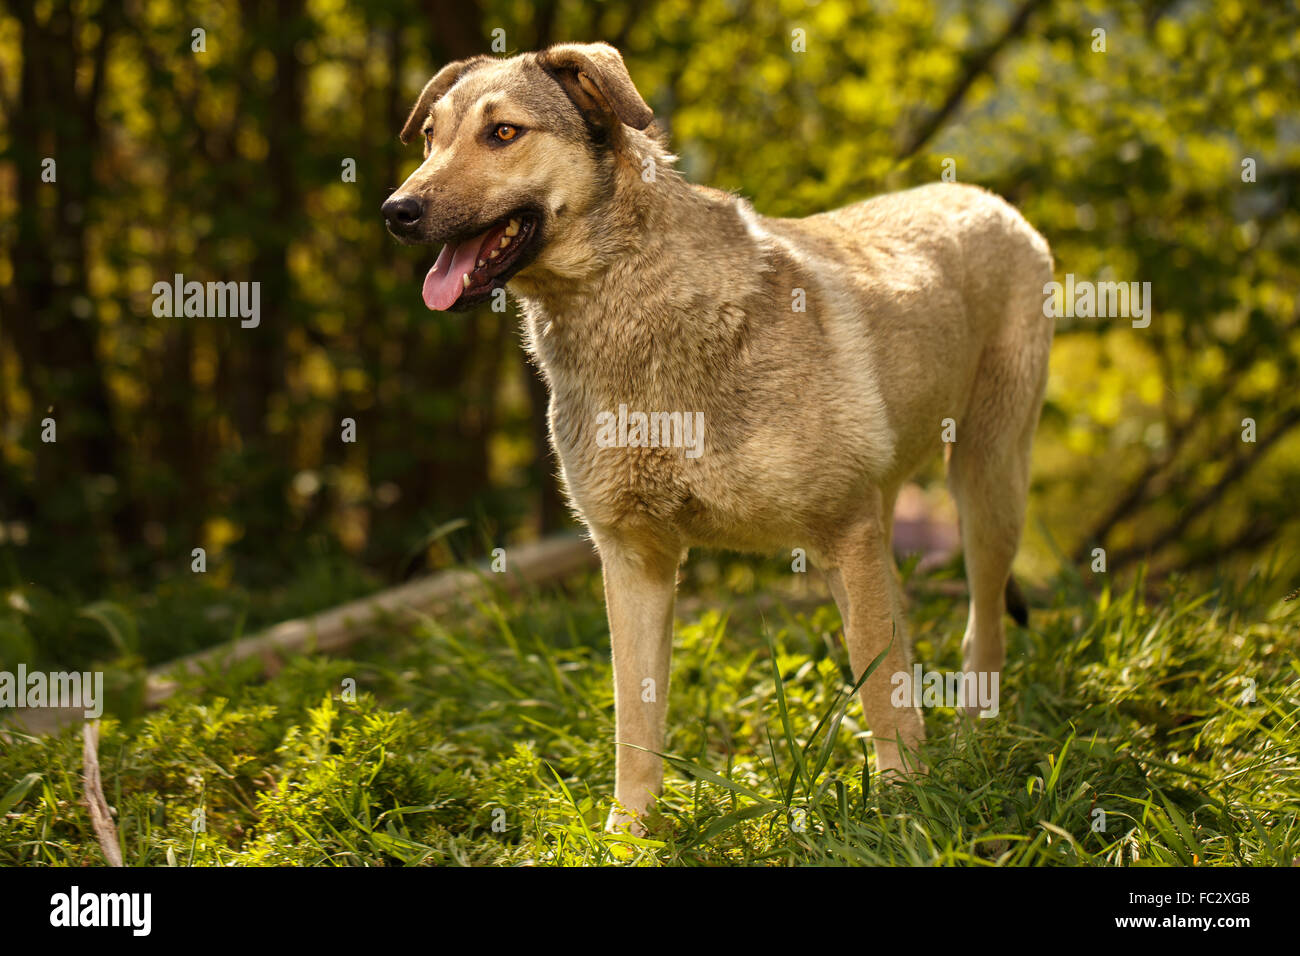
point(1016, 605)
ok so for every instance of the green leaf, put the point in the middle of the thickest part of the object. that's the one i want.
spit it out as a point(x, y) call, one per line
point(18, 792)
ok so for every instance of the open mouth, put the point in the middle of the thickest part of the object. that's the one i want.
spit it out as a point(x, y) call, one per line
point(468, 270)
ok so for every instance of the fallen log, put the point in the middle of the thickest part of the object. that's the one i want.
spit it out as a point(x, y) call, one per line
point(541, 562)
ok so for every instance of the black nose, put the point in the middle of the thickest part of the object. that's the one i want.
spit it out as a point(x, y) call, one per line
point(402, 212)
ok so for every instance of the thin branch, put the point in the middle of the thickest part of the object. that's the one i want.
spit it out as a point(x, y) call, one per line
point(1146, 486)
point(1249, 538)
point(1210, 496)
point(544, 24)
point(979, 64)
point(633, 14)
point(99, 57)
point(8, 102)
point(100, 818)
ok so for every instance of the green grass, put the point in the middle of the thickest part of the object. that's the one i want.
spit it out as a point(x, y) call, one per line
point(483, 737)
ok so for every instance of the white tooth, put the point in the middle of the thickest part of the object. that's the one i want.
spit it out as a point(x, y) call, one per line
point(465, 279)
point(513, 228)
point(505, 241)
point(493, 254)
point(482, 263)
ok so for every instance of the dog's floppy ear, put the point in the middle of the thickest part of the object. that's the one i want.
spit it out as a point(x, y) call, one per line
point(595, 79)
point(442, 81)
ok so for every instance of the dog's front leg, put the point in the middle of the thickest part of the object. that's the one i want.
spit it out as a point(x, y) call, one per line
point(639, 586)
point(862, 581)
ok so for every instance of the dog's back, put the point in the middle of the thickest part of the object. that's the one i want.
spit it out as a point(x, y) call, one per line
point(936, 282)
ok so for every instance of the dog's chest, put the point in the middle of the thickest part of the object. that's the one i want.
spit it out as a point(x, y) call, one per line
point(633, 420)
point(630, 455)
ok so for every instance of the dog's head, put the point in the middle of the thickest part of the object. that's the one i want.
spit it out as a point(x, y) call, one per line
point(515, 150)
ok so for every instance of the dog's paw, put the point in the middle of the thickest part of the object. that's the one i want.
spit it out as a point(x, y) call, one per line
point(892, 768)
point(889, 775)
point(621, 820)
point(898, 763)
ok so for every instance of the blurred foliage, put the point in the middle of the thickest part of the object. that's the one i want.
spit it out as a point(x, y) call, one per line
point(226, 165)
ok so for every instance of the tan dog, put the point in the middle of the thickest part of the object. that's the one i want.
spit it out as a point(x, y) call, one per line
point(723, 379)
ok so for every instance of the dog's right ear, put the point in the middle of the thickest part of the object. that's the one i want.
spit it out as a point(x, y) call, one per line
point(442, 81)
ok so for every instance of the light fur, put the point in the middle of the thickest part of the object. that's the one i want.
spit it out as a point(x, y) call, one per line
point(659, 295)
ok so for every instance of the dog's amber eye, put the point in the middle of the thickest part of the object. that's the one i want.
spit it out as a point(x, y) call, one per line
point(505, 132)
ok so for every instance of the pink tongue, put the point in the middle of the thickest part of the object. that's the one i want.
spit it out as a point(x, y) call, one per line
point(444, 283)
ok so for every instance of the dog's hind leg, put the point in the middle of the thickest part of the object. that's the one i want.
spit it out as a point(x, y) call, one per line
point(860, 571)
point(988, 472)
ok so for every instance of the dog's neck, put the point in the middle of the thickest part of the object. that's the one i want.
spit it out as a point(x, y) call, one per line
point(643, 286)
